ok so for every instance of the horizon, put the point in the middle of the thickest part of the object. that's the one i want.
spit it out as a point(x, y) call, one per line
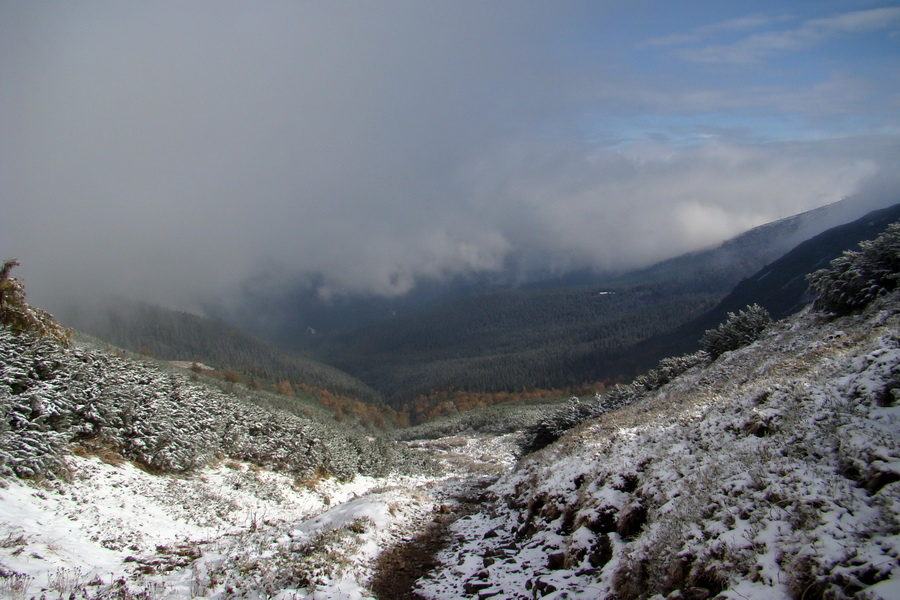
point(182, 155)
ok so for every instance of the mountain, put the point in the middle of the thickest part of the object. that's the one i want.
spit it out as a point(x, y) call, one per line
point(721, 267)
point(560, 332)
point(780, 287)
point(287, 318)
point(772, 471)
point(116, 473)
point(474, 334)
point(180, 336)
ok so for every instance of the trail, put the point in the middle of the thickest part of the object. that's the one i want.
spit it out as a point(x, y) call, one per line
point(478, 463)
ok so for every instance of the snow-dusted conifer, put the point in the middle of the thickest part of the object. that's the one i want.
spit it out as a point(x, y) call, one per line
point(859, 276)
point(738, 331)
point(52, 396)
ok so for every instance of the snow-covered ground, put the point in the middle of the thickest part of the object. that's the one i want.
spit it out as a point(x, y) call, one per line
point(220, 532)
point(235, 530)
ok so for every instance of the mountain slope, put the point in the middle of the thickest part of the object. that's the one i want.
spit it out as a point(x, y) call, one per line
point(53, 396)
point(562, 332)
point(780, 287)
point(772, 473)
point(480, 337)
point(718, 269)
point(127, 479)
point(174, 335)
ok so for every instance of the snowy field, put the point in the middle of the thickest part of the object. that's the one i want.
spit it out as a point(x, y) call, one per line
point(221, 532)
point(114, 530)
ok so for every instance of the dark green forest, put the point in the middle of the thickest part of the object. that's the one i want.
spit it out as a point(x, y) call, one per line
point(507, 340)
point(180, 336)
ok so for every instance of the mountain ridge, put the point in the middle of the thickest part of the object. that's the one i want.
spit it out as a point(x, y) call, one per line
point(557, 334)
point(521, 329)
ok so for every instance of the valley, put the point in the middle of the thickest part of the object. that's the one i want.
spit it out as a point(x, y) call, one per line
point(765, 473)
point(766, 465)
point(450, 300)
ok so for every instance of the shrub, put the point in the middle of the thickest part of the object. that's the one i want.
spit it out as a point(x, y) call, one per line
point(555, 425)
point(51, 397)
point(738, 331)
point(858, 277)
point(19, 316)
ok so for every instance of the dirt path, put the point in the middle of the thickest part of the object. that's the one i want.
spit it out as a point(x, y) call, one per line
point(398, 568)
point(478, 461)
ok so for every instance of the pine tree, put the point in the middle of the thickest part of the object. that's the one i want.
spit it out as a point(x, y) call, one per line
point(857, 277)
point(738, 331)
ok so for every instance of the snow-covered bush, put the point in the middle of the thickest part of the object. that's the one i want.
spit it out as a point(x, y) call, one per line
point(738, 331)
point(858, 277)
point(554, 426)
point(498, 419)
point(53, 396)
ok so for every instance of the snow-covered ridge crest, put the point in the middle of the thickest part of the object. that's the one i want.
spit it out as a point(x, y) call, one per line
point(774, 472)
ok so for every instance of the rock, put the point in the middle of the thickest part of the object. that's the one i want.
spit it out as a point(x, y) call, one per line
point(473, 587)
point(556, 561)
point(695, 593)
point(542, 588)
point(631, 519)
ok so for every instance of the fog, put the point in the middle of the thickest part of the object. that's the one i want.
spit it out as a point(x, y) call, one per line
point(170, 152)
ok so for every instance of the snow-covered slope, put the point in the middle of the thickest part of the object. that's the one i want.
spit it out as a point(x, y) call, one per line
point(119, 479)
point(52, 396)
point(774, 472)
point(234, 530)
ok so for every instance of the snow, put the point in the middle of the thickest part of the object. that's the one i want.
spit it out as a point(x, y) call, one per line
point(108, 521)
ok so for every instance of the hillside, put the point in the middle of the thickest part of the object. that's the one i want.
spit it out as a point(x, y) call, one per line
point(773, 472)
point(721, 267)
point(780, 287)
point(180, 336)
point(482, 336)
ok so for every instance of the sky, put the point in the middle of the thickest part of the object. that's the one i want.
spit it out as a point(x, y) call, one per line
point(174, 151)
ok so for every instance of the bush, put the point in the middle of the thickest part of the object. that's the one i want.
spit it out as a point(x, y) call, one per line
point(19, 316)
point(555, 425)
point(738, 331)
point(51, 397)
point(856, 278)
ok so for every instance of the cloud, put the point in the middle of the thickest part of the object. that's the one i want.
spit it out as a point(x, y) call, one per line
point(701, 34)
point(168, 152)
point(649, 201)
point(760, 46)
